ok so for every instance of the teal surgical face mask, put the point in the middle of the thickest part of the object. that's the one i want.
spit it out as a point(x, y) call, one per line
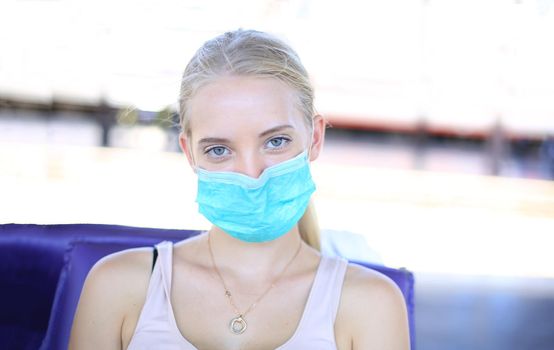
point(256, 210)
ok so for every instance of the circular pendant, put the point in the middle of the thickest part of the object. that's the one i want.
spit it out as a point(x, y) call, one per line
point(237, 325)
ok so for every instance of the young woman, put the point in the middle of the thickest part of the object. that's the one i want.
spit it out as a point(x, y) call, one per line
point(256, 279)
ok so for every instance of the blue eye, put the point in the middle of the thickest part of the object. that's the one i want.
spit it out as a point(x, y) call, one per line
point(277, 142)
point(217, 151)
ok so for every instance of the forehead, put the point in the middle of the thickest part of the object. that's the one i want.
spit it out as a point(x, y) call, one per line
point(243, 103)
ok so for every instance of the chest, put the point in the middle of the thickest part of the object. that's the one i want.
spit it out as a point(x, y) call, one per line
point(203, 312)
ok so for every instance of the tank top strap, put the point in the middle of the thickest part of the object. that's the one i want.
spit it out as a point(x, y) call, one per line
point(323, 301)
point(316, 327)
point(156, 311)
point(336, 283)
point(165, 257)
point(329, 286)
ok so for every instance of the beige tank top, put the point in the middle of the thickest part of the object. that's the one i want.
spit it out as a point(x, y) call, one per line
point(157, 329)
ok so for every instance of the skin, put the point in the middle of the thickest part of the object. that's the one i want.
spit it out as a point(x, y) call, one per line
point(240, 124)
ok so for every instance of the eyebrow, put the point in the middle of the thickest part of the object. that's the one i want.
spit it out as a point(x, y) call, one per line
point(265, 133)
point(213, 140)
point(275, 129)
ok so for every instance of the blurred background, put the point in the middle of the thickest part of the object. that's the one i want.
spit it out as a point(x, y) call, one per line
point(441, 150)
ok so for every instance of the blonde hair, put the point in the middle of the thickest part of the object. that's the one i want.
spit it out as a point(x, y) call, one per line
point(252, 53)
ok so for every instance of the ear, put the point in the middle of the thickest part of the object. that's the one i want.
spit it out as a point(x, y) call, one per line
point(184, 142)
point(319, 136)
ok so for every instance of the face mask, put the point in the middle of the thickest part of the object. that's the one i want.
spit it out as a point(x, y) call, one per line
point(256, 210)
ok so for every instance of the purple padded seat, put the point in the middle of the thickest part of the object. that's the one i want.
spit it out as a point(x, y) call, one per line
point(31, 258)
point(79, 258)
point(82, 255)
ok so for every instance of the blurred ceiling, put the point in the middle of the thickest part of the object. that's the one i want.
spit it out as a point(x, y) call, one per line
point(454, 64)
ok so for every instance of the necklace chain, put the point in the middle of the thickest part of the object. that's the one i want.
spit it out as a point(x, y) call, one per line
point(241, 315)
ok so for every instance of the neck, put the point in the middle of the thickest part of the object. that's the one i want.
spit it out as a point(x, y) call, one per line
point(236, 258)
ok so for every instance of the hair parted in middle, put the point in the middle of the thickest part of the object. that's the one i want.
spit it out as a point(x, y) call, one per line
point(246, 53)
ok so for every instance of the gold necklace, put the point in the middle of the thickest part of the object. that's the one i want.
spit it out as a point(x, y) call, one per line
point(238, 325)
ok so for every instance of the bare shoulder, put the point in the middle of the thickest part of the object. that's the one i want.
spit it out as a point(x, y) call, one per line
point(373, 310)
point(130, 261)
point(361, 283)
point(122, 274)
point(115, 287)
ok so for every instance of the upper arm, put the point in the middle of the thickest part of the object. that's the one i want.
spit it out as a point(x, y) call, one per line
point(105, 299)
point(379, 314)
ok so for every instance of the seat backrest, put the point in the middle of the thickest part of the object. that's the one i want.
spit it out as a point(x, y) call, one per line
point(31, 259)
point(84, 253)
point(79, 258)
